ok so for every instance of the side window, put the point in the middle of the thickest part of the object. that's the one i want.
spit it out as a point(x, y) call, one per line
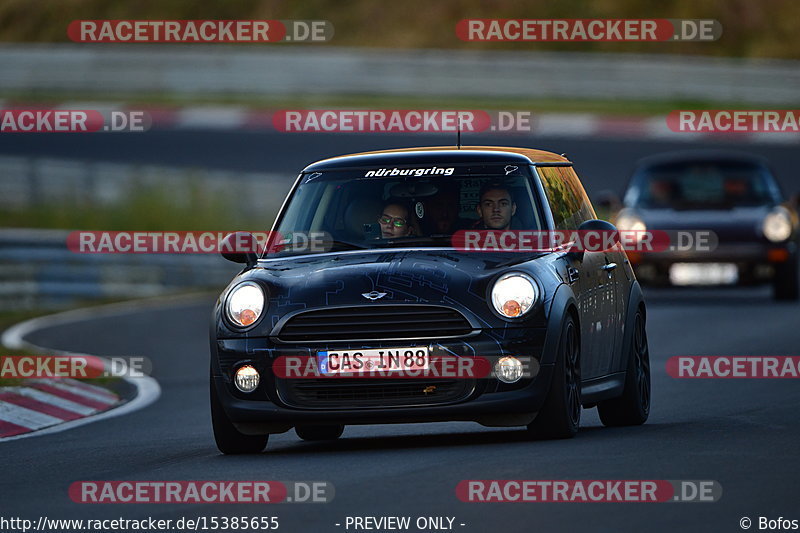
point(568, 200)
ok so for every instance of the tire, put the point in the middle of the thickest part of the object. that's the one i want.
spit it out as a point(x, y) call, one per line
point(633, 407)
point(786, 284)
point(229, 440)
point(560, 415)
point(319, 432)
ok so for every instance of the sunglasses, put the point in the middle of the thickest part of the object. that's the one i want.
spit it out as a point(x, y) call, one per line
point(397, 222)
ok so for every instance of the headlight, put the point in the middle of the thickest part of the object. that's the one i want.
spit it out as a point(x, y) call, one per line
point(630, 221)
point(514, 294)
point(245, 303)
point(777, 225)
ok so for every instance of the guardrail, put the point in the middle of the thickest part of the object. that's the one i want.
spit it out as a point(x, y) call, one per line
point(32, 181)
point(280, 70)
point(37, 271)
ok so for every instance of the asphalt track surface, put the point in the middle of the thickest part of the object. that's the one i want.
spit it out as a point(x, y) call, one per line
point(741, 433)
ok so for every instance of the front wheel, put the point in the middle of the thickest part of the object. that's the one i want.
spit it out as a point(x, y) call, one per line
point(633, 407)
point(229, 439)
point(560, 415)
point(786, 284)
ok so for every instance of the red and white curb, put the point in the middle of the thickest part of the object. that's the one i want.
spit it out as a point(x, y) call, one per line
point(240, 118)
point(46, 406)
point(43, 403)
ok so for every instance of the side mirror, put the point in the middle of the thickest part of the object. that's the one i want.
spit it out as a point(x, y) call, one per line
point(600, 226)
point(240, 247)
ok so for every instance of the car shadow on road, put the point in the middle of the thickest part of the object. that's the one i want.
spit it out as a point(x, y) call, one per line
point(463, 439)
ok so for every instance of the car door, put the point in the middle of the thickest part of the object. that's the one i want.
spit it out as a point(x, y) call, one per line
point(605, 267)
point(609, 272)
point(587, 273)
point(623, 274)
point(587, 292)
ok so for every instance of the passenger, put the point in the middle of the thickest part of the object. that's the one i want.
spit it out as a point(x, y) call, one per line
point(395, 221)
point(495, 207)
point(736, 190)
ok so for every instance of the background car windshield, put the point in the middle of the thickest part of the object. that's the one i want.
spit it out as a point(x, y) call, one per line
point(358, 210)
point(702, 185)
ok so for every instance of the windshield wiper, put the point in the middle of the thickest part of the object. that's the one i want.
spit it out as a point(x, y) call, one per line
point(403, 241)
point(329, 245)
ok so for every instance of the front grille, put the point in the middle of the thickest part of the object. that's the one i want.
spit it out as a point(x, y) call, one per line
point(377, 322)
point(332, 393)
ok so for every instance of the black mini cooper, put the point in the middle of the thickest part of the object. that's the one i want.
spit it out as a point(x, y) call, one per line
point(373, 316)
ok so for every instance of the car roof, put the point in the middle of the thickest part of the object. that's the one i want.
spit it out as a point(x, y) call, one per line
point(701, 156)
point(440, 155)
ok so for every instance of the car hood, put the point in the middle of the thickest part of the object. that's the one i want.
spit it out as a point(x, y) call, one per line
point(436, 277)
point(736, 224)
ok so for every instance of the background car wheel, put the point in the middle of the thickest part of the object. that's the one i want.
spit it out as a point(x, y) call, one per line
point(319, 432)
point(229, 439)
point(786, 285)
point(560, 416)
point(633, 407)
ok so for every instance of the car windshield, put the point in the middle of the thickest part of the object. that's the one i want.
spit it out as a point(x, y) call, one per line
point(386, 207)
point(707, 185)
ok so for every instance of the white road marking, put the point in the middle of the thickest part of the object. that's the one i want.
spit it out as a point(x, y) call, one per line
point(51, 399)
point(26, 417)
point(147, 388)
point(102, 398)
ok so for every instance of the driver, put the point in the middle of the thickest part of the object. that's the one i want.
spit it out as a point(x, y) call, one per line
point(495, 207)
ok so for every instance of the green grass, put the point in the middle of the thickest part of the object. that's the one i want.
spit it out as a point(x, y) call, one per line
point(750, 28)
point(147, 209)
point(8, 319)
point(366, 101)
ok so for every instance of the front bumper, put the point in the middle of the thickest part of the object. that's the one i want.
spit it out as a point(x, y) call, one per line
point(756, 262)
point(271, 409)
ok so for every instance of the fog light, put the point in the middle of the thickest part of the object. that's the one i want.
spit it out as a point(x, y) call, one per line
point(508, 369)
point(247, 379)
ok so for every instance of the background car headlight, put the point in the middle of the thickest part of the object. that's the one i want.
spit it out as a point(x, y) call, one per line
point(630, 221)
point(777, 225)
point(245, 303)
point(514, 294)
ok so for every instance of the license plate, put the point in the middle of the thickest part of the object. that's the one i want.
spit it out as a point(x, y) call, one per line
point(373, 360)
point(703, 274)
